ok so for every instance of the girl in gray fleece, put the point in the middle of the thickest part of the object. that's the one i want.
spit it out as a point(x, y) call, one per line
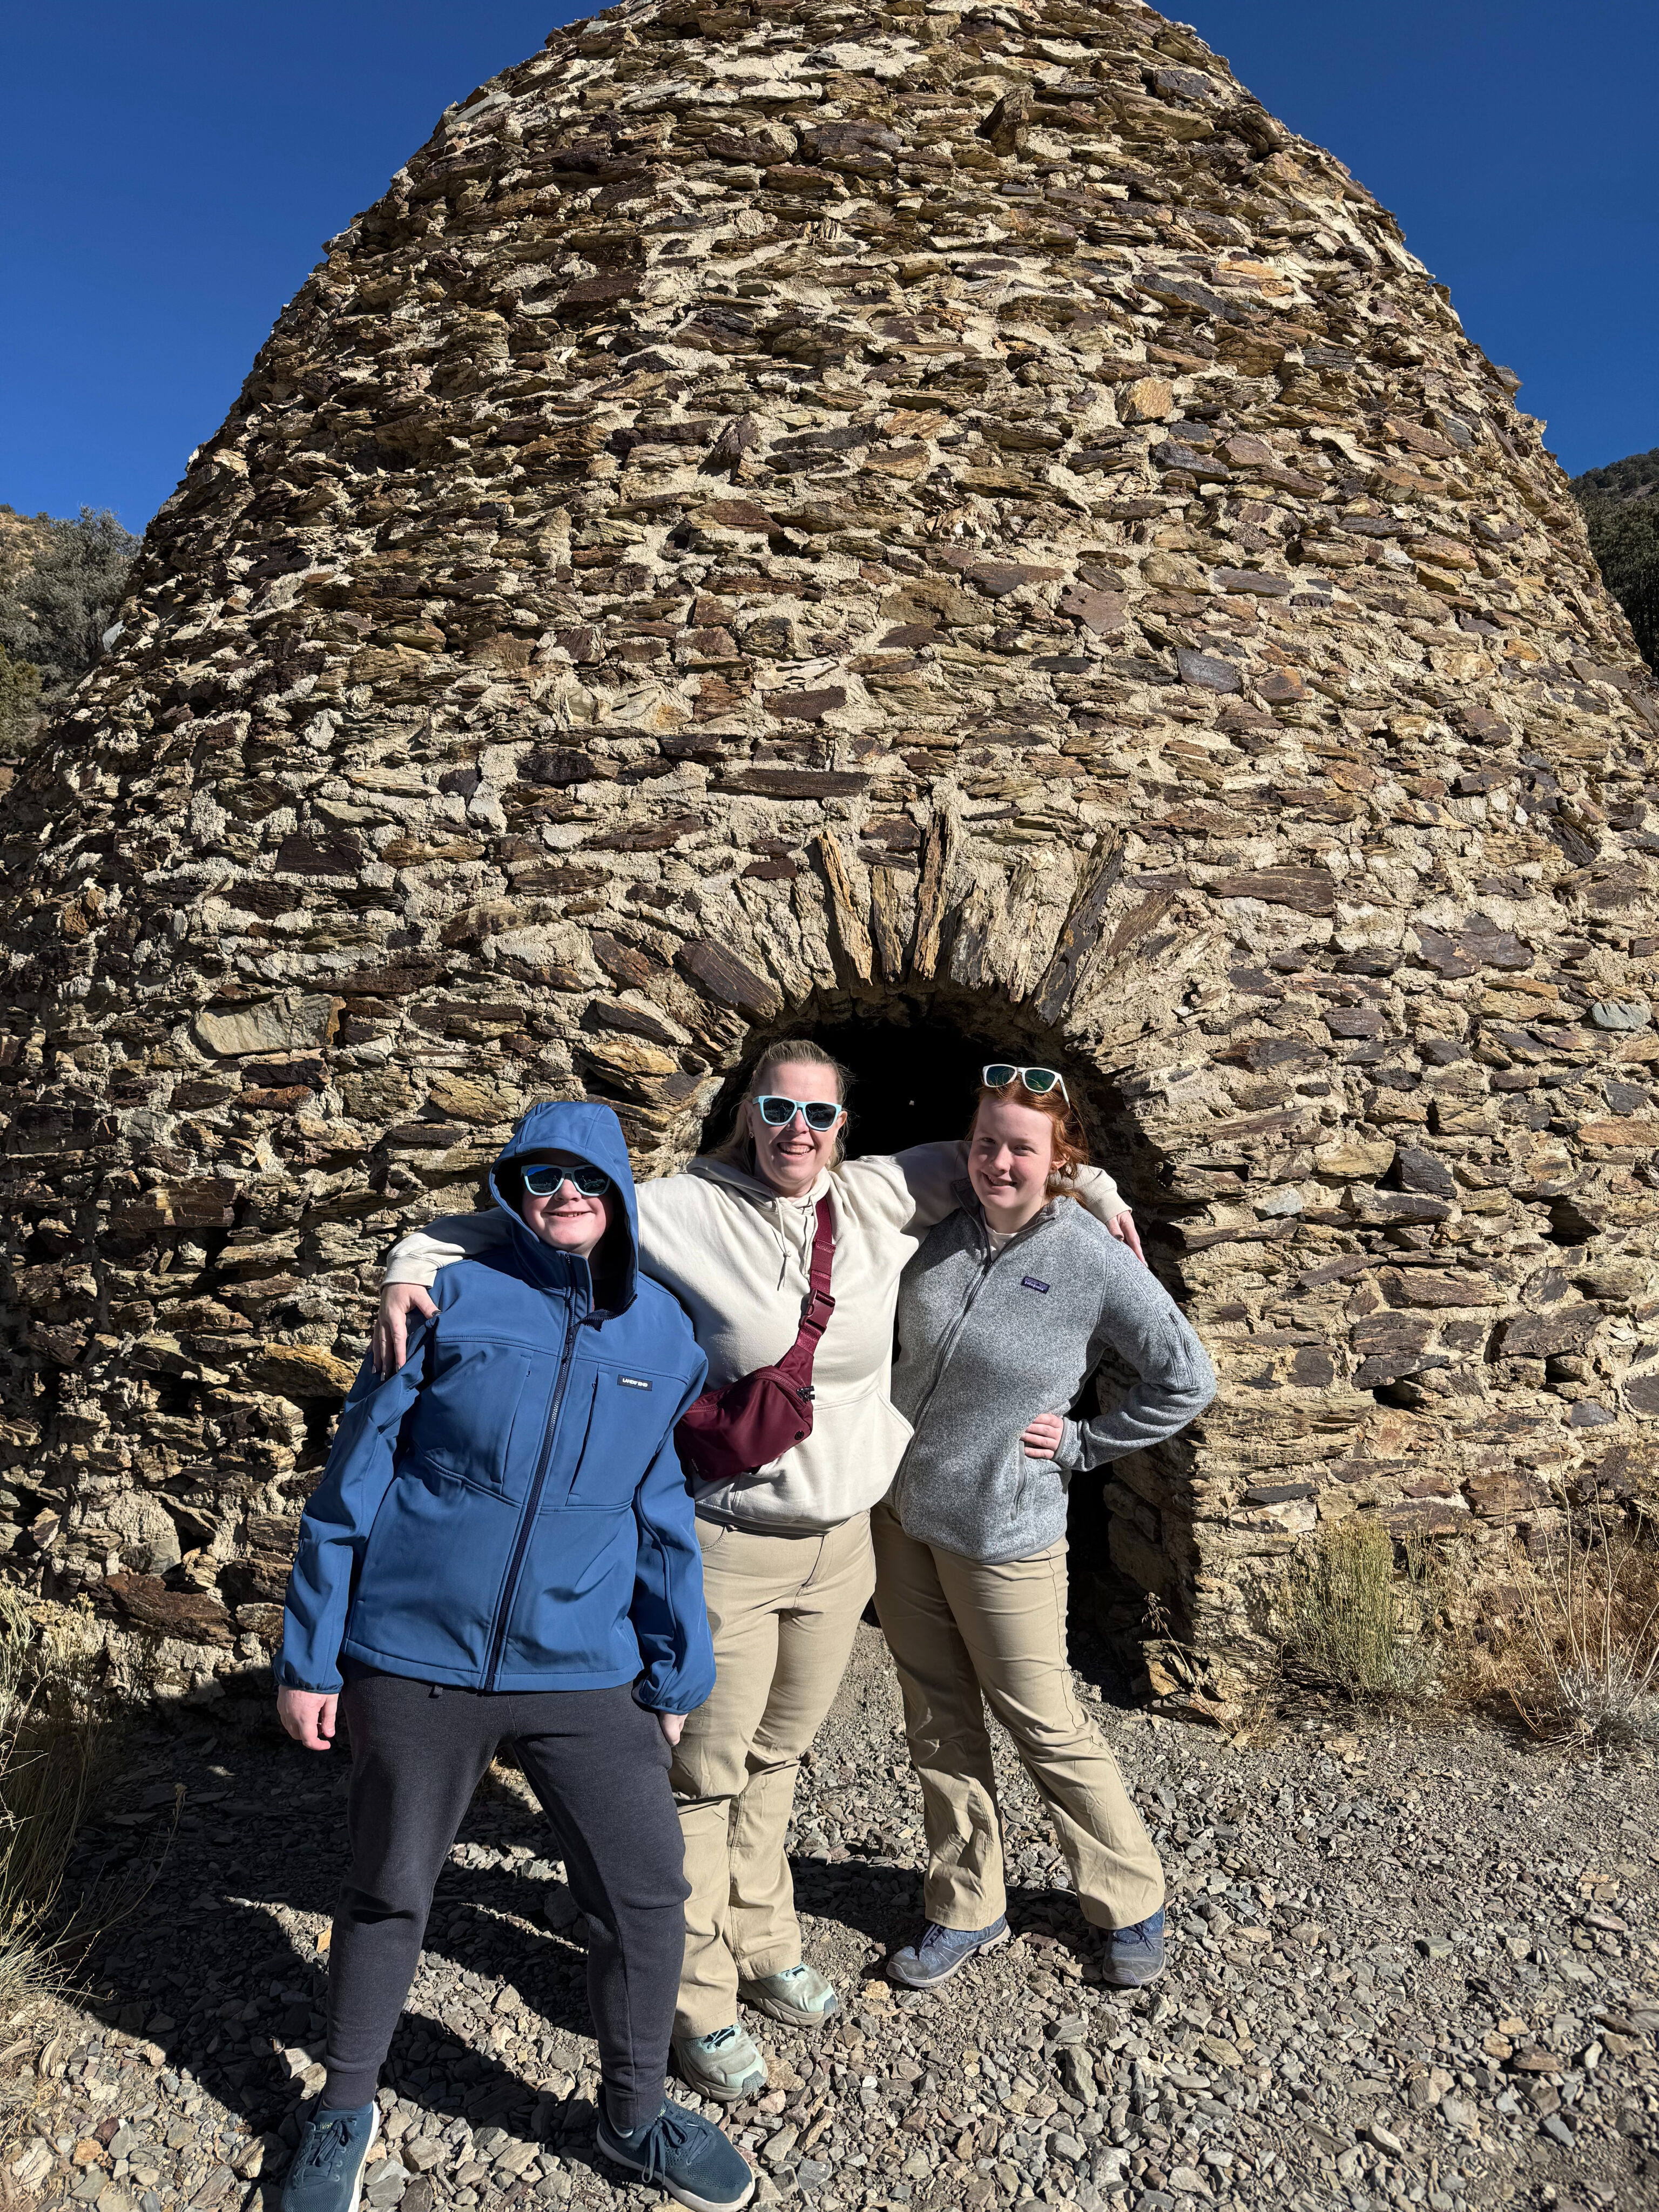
point(1004, 1314)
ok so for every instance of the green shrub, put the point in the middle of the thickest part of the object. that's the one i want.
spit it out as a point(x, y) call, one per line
point(1620, 507)
point(1625, 542)
point(1351, 1623)
point(54, 616)
point(19, 701)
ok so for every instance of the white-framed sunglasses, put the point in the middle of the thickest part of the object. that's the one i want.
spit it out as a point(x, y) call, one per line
point(1039, 1081)
point(777, 1112)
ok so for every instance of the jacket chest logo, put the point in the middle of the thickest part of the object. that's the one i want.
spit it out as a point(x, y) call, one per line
point(633, 1383)
point(1030, 1283)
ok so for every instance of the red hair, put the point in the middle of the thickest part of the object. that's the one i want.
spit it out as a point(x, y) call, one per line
point(1071, 1147)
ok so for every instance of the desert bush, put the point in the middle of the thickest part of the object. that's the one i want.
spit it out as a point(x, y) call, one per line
point(54, 616)
point(1625, 539)
point(1581, 1662)
point(51, 1748)
point(20, 700)
point(1351, 1620)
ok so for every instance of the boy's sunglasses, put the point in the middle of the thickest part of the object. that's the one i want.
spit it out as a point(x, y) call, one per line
point(1037, 1080)
point(820, 1113)
point(548, 1182)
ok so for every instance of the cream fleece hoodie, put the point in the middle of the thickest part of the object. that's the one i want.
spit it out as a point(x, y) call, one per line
point(735, 1254)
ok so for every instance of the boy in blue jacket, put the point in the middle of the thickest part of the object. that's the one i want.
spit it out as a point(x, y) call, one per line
point(502, 1549)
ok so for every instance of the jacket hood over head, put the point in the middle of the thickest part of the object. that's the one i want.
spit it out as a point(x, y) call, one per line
point(593, 1135)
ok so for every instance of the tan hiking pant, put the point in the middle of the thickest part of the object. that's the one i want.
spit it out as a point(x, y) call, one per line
point(963, 1636)
point(784, 1611)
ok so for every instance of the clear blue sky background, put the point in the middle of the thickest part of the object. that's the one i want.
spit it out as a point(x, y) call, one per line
point(168, 173)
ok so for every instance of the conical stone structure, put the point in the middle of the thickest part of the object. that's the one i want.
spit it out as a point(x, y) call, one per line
point(789, 515)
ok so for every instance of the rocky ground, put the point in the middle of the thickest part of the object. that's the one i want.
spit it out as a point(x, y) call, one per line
point(1416, 1966)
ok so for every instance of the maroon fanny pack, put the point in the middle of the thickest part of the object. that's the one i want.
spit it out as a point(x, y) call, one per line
point(749, 1422)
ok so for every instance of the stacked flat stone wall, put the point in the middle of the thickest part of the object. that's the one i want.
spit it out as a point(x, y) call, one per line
point(786, 513)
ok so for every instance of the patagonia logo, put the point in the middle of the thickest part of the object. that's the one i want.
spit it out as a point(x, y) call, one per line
point(1030, 1283)
point(633, 1383)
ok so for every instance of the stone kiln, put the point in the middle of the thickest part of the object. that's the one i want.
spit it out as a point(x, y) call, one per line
point(791, 516)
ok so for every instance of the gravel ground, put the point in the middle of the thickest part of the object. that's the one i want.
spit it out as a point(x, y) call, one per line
point(1407, 1966)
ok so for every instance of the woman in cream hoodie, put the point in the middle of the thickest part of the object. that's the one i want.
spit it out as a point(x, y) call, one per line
point(787, 1568)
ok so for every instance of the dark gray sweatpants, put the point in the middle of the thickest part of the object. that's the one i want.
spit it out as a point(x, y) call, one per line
point(600, 1765)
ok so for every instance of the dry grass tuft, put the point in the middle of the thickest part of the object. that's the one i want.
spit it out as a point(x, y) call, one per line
point(1350, 1620)
point(1581, 1662)
point(51, 1744)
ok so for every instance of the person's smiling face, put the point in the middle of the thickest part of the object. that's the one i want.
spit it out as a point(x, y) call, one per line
point(1009, 1157)
point(792, 1157)
point(569, 1220)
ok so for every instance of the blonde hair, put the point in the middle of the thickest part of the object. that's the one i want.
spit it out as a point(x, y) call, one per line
point(797, 1052)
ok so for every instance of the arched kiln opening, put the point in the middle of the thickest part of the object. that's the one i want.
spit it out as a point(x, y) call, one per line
point(915, 1062)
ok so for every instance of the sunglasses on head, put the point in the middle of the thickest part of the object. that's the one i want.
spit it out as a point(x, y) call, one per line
point(820, 1113)
point(547, 1182)
point(1037, 1080)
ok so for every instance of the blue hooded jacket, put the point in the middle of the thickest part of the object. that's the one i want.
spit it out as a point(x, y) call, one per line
point(508, 1511)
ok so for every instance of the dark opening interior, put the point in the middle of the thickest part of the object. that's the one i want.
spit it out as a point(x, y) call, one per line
point(910, 1085)
point(916, 1072)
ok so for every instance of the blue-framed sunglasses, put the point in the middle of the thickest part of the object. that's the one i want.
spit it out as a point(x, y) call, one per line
point(546, 1181)
point(820, 1113)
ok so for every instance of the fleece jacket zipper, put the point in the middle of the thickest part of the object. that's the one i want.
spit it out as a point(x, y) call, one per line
point(532, 1502)
point(954, 1338)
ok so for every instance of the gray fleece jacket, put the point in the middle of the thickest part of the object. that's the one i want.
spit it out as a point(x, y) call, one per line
point(986, 1344)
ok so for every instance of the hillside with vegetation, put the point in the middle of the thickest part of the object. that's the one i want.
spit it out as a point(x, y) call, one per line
point(61, 581)
point(1621, 505)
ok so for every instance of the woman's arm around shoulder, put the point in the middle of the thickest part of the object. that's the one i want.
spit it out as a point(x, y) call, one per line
point(411, 1268)
point(417, 1257)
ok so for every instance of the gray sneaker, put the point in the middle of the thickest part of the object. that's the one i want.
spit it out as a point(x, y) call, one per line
point(799, 1996)
point(327, 2172)
point(683, 2153)
point(725, 2065)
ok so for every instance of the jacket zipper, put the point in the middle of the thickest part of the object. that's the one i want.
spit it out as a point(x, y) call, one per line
point(527, 1520)
point(954, 1338)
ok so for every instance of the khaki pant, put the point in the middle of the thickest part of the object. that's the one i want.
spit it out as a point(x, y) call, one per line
point(962, 1635)
point(784, 1611)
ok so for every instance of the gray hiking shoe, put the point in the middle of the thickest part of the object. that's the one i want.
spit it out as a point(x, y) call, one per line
point(938, 1952)
point(799, 1996)
point(1134, 1956)
point(725, 2065)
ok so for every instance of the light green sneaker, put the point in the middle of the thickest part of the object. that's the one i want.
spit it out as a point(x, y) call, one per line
point(799, 1996)
point(725, 2065)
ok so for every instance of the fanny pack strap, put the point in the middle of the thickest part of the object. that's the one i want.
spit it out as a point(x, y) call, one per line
point(796, 1364)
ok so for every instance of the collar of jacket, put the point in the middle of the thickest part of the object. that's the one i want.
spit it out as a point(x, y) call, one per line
point(593, 1135)
point(968, 1199)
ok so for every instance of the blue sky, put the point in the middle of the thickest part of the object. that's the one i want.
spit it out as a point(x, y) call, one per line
point(169, 174)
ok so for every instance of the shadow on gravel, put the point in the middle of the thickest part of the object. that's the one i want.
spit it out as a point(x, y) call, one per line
point(218, 1967)
point(211, 1969)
